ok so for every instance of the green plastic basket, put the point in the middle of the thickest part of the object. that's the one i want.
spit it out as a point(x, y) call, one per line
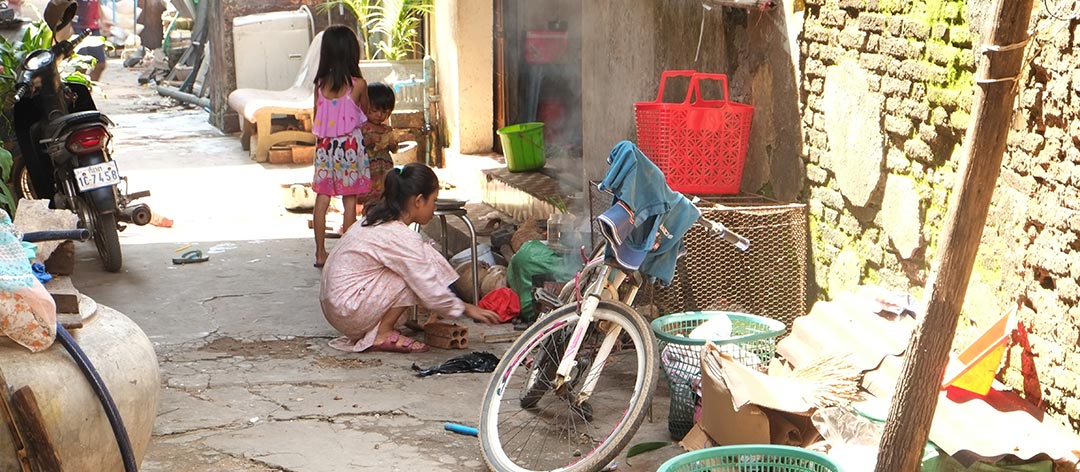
point(752, 342)
point(752, 458)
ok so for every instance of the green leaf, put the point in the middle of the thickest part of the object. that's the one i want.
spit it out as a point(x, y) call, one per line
point(7, 200)
point(6, 161)
point(642, 448)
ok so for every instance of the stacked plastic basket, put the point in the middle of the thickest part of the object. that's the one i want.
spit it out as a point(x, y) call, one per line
point(752, 458)
point(751, 340)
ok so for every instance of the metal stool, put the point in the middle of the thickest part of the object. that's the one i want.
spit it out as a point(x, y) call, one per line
point(444, 208)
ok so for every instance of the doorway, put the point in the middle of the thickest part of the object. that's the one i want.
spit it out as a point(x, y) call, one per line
point(538, 71)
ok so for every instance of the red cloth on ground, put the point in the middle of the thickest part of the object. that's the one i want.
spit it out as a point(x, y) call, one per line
point(503, 301)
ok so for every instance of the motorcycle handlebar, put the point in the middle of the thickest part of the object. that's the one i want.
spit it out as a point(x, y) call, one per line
point(58, 235)
point(20, 91)
point(66, 47)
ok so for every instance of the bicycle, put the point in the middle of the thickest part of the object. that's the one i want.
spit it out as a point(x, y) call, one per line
point(572, 390)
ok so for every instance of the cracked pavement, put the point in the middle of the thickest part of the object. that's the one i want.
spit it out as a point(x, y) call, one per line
point(248, 381)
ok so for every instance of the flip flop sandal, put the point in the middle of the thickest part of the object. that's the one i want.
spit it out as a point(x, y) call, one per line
point(391, 345)
point(190, 257)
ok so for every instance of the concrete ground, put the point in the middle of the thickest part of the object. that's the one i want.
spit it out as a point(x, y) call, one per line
point(248, 381)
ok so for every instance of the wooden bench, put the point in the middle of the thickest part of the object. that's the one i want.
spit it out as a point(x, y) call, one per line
point(257, 108)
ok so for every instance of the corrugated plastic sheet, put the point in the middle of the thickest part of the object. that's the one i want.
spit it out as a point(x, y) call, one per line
point(999, 424)
point(842, 327)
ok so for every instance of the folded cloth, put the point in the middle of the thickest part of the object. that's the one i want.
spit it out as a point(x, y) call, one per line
point(647, 222)
point(27, 311)
point(503, 301)
point(39, 272)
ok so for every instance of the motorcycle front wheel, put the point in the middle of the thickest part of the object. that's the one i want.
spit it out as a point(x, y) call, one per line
point(104, 229)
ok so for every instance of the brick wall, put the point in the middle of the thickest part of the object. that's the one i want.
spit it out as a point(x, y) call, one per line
point(885, 94)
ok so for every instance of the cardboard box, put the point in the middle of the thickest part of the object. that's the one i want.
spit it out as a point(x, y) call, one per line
point(761, 410)
point(722, 422)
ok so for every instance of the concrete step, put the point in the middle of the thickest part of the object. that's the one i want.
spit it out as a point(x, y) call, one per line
point(533, 195)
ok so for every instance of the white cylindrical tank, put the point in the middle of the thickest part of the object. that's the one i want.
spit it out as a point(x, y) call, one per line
point(82, 436)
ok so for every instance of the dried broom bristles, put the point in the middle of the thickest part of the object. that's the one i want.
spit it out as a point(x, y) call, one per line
point(833, 381)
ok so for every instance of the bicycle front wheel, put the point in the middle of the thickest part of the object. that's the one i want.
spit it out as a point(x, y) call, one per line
point(523, 428)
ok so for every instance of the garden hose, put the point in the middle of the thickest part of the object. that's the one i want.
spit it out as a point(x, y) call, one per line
point(102, 392)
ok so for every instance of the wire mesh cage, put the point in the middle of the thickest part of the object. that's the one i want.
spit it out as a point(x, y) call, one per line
point(749, 339)
point(752, 458)
point(768, 280)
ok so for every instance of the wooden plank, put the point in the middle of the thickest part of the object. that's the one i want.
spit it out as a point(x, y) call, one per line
point(32, 424)
point(64, 294)
point(501, 337)
point(16, 436)
point(910, 416)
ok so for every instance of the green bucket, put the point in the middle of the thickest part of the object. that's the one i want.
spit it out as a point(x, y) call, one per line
point(523, 145)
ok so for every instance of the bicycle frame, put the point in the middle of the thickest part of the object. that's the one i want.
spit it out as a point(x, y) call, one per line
point(608, 279)
point(611, 278)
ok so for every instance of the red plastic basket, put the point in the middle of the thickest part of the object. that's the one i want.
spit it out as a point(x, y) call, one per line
point(545, 47)
point(699, 145)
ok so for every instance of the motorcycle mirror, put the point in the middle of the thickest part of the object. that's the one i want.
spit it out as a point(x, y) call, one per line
point(59, 13)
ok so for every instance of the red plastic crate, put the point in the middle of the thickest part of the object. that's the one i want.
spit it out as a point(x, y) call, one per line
point(700, 145)
point(545, 47)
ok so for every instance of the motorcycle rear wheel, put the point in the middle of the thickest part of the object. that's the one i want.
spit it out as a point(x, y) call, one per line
point(105, 235)
point(20, 180)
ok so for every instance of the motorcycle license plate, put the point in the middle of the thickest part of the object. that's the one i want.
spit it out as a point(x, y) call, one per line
point(97, 176)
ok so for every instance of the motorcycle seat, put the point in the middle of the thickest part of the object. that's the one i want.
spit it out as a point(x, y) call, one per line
point(55, 127)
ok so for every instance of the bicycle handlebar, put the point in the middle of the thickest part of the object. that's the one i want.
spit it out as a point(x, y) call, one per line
point(717, 228)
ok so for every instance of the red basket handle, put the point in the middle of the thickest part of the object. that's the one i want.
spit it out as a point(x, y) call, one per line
point(674, 73)
point(695, 87)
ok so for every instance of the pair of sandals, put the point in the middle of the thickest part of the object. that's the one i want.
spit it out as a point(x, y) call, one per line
point(408, 345)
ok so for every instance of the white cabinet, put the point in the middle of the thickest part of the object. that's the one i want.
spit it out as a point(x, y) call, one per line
point(269, 48)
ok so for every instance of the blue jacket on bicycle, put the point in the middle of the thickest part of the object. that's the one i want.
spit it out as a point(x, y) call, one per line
point(651, 214)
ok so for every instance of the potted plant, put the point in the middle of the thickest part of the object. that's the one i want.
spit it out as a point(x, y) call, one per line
point(388, 29)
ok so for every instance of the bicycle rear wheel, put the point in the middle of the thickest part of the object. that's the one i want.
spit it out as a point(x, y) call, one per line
point(553, 430)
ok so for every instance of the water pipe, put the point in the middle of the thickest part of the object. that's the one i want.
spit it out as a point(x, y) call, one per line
point(430, 93)
point(461, 429)
point(111, 412)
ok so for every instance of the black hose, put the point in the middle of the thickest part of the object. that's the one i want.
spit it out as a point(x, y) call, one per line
point(39, 236)
point(102, 392)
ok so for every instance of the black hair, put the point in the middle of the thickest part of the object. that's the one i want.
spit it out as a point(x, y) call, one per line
point(339, 58)
point(399, 185)
point(381, 96)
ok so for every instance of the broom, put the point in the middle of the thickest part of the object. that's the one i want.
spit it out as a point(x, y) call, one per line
point(832, 380)
point(825, 381)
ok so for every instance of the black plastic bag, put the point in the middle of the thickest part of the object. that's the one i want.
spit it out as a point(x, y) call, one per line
point(471, 362)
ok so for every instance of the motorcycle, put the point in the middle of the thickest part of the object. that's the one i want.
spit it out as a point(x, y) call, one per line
point(66, 145)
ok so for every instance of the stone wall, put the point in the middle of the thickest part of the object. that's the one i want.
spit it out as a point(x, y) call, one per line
point(885, 95)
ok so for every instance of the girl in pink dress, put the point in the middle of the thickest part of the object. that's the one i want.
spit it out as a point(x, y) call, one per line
point(341, 165)
point(382, 267)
